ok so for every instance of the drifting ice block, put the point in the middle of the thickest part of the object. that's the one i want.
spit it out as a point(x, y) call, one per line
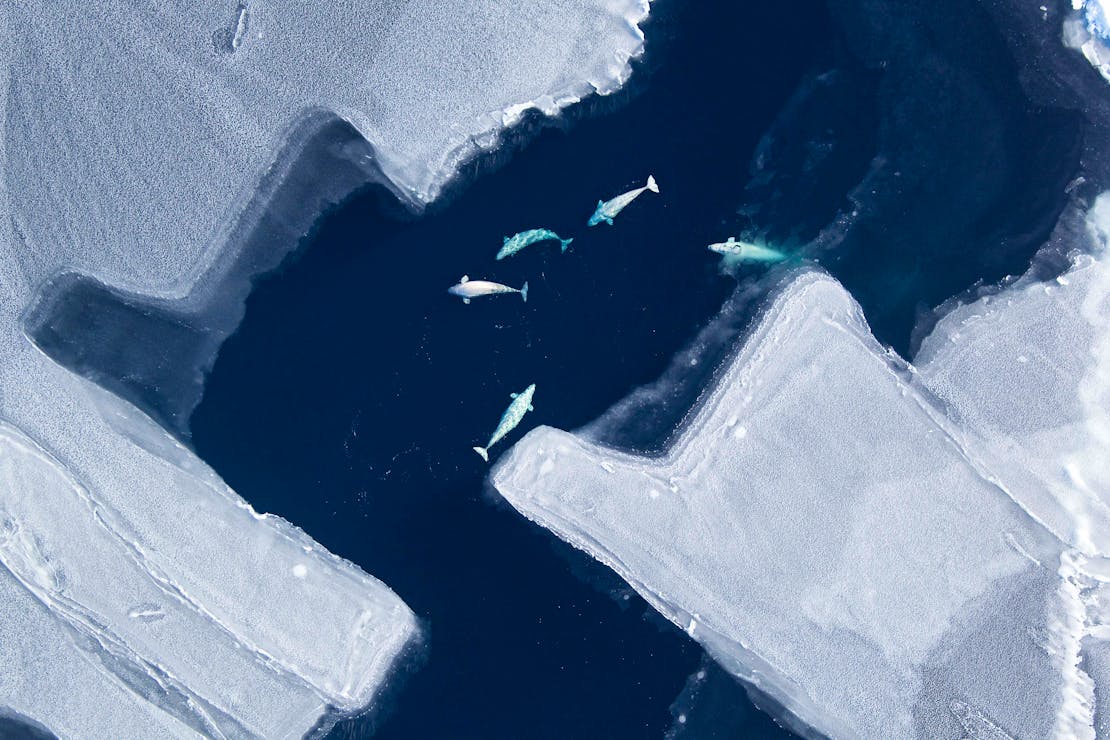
point(818, 529)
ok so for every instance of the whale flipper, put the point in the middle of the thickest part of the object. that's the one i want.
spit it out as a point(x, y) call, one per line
point(531, 407)
point(465, 279)
point(513, 395)
point(466, 301)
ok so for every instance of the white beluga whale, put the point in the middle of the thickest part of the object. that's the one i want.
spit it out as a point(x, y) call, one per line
point(521, 405)
point(746, 251)
point(607, 210)
point(468, 289)
point(513, 244)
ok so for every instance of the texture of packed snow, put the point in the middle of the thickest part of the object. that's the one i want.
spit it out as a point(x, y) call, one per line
point(1026, 375)
point(885, 553)
point(141, 597)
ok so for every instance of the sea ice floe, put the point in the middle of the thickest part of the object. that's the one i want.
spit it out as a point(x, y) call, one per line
point(142, 597)
point(878, 567)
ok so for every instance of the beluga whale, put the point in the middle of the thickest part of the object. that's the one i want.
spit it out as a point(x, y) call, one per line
point(607, 210)
point(746, 251)
point(521, 405)
point(513, 244)
point(467, 289)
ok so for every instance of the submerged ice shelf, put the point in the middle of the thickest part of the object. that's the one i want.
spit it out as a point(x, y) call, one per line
point(140, 596)
point(877, 566)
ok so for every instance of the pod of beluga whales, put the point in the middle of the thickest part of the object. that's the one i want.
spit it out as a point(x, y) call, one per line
point(733, 251)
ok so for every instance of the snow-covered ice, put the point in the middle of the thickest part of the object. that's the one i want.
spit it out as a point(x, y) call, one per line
point(817, 528)
point(144, 138)
point(141, 597)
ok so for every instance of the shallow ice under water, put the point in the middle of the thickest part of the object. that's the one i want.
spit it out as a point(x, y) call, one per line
point(886, 551)
point(142, 597)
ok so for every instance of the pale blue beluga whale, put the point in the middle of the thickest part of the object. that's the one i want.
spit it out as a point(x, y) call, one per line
point(746, 251)
point(521, 405)
point(467, 289)
point(513, 244)
point(607, 210)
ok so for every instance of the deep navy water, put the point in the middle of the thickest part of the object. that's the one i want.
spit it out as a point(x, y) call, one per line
point(349, 398)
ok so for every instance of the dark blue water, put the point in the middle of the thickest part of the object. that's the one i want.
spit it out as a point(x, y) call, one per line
point(350, 397)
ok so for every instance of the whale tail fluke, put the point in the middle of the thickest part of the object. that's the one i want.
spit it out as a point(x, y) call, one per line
point(652, 185)
point(524, 291)
point(483, 452)
point(565, 243)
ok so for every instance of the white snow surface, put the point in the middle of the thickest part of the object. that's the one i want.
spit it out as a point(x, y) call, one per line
point(887, 551)
point(142, 597)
